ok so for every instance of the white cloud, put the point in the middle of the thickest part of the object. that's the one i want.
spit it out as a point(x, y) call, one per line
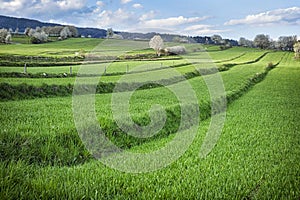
point(98, 8)
point(100, 3)
point(71, 4)
point(197, 27)
point(172, 25)
point(12, 6)
point(208, 32)
point(148, 15)
point(171, 22)
point(116, 19)
point(42, 9)
point(137, 5)
point(280, 16)
point(125, 1)
point(203, 29)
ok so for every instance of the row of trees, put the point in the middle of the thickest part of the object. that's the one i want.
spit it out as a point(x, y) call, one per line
point(287, 43)
point(37, 35)
point(5, 36)
point(262, 41)
point(40, 35)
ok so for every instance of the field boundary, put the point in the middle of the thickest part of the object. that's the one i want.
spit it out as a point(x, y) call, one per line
point(25, 91)
point(223, 67)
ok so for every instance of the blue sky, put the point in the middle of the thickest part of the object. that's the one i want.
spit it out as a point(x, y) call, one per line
point(228, 18)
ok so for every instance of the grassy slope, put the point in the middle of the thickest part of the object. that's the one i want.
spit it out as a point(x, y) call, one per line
point(121, 67)
point(57, 49)
point(256, 157)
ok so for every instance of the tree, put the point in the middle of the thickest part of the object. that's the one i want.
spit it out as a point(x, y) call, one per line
point(262, 41)
point(38, 29)
point(5, 36)
point(65, 33)
point(26, 32)
point(55, 30)
point(286, 43)
point(242, 41)
point(245, 42)
point(217, 39)
point(31, 32)
point(297, 50)
point(109, 33)
point(73, 30)
point(8, 38)
point(157, 44)
point(39, 37)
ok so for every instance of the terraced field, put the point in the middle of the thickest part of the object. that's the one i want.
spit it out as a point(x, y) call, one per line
point(256, 156)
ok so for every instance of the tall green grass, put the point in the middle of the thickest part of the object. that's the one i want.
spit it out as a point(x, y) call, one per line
point(257, 156)
point(236, 83)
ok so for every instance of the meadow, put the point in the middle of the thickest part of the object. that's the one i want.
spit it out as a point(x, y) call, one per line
point(257, 155)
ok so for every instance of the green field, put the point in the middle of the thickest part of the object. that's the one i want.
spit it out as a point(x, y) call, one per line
point(257, 155)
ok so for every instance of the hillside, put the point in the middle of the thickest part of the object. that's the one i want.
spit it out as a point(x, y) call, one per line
point(23, 23)
point(49, 145)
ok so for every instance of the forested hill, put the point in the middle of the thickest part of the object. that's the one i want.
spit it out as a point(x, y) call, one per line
point(22, 23)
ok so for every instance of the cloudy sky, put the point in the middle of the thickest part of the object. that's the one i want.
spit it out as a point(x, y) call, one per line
point(229, 18)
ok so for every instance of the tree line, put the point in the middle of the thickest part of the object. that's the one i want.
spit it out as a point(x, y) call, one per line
point(40, 34)
point(284, 43)
point(262, 41)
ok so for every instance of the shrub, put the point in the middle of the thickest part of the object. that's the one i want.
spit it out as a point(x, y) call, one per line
point(176, 50)
point(270, 66)
point(5, 36)
point(297, 50)
point(39, 37)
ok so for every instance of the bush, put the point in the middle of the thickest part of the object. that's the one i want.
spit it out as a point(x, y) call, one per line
point(176, 50)
point(5, 36)
point(39, 37)
point(270, 66)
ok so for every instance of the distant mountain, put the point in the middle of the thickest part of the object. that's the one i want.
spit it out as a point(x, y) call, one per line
point(23, 23)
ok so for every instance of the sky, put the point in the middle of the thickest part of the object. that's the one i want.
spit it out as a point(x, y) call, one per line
point(228, 18)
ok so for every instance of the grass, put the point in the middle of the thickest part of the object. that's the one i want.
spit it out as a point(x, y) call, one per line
point(54, 49)
point(256, 157)
point(123, 67)
point(235, 80)
point(241, 75)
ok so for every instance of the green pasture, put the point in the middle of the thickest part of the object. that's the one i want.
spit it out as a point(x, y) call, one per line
point(256, 157)
point(160, 70)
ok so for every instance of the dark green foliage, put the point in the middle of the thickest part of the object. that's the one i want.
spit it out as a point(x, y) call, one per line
point(24, 91)
point(36, 61)
point(64, 149)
